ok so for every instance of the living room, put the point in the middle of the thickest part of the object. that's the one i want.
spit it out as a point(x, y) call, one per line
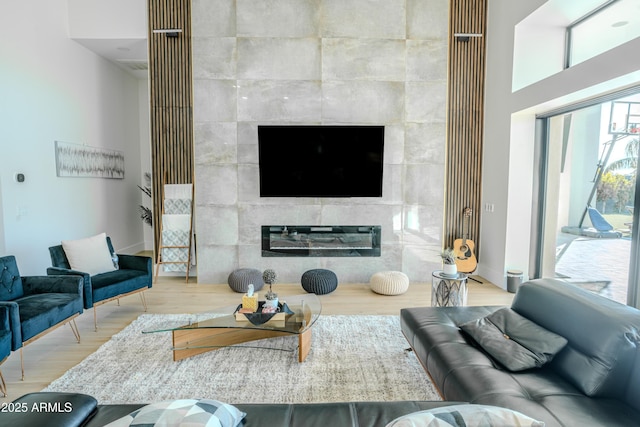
point(57, 89)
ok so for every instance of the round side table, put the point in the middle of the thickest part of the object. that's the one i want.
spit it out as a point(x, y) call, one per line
point(448, 291)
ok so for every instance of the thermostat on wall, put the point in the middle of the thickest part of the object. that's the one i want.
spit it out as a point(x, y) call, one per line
point(19, 177)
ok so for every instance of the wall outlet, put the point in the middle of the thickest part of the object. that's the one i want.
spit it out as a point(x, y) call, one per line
point(489, 207)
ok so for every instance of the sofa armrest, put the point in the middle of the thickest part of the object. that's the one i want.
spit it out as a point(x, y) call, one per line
point(135, 262)
point(5, 325)
point(63, 284)
point(14, 323)
point(86, 282)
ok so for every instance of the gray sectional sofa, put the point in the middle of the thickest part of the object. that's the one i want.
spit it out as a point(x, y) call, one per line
point(592, 381)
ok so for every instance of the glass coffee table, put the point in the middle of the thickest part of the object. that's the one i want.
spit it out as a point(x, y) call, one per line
point(221, 328)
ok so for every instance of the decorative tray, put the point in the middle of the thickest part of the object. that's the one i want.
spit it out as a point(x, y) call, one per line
point(259, 318)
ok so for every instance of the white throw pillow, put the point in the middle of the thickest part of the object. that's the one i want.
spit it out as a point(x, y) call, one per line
point(90, 255)
point(466, 416)
point(183, 412)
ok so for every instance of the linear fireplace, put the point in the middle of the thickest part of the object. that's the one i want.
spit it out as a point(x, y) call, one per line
point(321, 241)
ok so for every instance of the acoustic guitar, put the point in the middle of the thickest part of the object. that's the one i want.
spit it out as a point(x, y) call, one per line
point(465, 258)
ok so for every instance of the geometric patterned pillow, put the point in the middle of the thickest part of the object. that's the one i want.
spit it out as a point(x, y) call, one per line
point(183, 412)
point(465, 416)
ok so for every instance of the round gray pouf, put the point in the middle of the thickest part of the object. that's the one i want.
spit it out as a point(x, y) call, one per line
point(319, 281)
point(240, 279)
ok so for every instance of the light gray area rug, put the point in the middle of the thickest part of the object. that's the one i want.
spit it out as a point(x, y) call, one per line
point(352, 358)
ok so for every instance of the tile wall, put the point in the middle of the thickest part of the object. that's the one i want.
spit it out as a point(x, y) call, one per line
point(381, 62)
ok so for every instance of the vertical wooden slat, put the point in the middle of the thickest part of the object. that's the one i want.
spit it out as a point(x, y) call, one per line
point(170, 94)
point(465, 119)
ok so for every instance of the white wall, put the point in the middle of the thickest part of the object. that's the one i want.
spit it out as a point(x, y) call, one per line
point(55, 89)
point(509, 136)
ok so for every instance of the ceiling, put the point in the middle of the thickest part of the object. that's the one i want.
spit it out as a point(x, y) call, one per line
point(129, 54)
point(115, 29)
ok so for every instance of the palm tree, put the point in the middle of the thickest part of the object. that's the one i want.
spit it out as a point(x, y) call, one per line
point(618, 177)
point(630, 162)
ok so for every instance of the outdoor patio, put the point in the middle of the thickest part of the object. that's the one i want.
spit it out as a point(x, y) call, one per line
point(600, 265)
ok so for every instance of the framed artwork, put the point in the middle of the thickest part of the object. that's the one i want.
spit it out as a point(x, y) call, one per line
point(76, 160)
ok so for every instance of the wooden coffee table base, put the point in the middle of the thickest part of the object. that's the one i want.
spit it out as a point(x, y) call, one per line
point(190, 342)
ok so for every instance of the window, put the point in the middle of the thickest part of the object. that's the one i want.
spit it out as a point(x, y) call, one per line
point(610, 25)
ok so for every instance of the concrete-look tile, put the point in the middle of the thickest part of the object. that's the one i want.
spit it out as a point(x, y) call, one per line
point(217, 184)
point(214, 58)
point(278, 18)
point(213, 18)
point(424, 184)
point(254, 215)
point(215, 142)
point(214, 100)
point(427, 19)
point(279, 101)
point(248, 183)
point(426, 101)
point(363, 59)
point(363, 102)
point(364, 18)
point(422, 225)
point(394, 140)
point(426, 60)
point(221, 228)
point(278, 59)
point(425, 143)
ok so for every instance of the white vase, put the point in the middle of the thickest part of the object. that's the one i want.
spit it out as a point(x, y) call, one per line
point(450, 270)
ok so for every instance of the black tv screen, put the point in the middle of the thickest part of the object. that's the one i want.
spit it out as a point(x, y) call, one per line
point(321, 161)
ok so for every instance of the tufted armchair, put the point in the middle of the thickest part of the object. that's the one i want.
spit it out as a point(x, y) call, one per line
point(134, 275)
point(5, 343)
point(37, 304)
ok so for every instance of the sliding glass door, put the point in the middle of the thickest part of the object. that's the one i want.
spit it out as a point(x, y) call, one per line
point(586, 228)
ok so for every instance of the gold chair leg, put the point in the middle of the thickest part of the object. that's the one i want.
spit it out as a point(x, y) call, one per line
point(95, 319)
point(144, 301)
point(3, 386)
point(74, 329)
point(22, 362)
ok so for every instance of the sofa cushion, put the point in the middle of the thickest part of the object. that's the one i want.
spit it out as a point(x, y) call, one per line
point(513, 340)
point(10, 280)
point(39, 312)
point(466, 416)
point(90, 255)
point(118, 282)
point(602, 334)
point(183, 412)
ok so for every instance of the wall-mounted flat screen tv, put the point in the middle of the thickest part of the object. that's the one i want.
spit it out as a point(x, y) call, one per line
point(321, 161)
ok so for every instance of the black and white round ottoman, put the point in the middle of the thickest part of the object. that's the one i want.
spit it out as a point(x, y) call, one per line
point(319, 281)
point(240, 279)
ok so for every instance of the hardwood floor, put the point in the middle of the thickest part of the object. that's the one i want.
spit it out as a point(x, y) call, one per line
point(50, 356)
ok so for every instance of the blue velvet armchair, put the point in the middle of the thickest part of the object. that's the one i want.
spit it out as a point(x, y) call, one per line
point(133, 276)
point(37, 304)
point(5, 343)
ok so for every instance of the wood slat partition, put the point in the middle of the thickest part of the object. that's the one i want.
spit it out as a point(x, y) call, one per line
point(171, 101)
point(465, 119)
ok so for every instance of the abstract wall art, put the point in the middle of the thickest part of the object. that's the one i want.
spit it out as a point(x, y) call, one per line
point(76, 160)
